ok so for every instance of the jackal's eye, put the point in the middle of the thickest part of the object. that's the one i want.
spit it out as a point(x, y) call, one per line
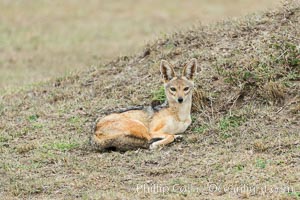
point(186, 88)
point(173, 89)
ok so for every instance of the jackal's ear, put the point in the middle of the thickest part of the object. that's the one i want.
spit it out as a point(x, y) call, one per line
point(166, 70)
point(190, 69)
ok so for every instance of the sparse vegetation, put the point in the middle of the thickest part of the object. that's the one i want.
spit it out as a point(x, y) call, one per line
point(201, 129)
point(62, 146)
point(245, 127)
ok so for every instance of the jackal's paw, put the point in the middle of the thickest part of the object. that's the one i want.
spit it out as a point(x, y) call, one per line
point(154, 146)
point(178, 137)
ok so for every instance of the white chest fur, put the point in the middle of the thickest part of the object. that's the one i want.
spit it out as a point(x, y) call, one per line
point(174, 127)
point(173, 120)
point(179, 122)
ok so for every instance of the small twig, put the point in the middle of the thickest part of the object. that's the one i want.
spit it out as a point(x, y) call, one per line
point(286, 105)
point(212, 109)
point(281, 54)
point(280, 109)
point(234, 102)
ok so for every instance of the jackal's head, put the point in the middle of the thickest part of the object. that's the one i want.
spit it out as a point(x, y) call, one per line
point(178, 89)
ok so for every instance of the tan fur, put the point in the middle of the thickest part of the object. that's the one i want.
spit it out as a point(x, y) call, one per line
point(137, 128)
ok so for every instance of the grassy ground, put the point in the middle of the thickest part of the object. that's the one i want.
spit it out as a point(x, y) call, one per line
point(42, 39)
point(243, 143)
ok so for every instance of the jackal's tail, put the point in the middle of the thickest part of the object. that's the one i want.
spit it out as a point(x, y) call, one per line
point(118, 142)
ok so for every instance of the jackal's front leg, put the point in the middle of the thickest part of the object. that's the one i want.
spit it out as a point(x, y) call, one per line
point(163, 139)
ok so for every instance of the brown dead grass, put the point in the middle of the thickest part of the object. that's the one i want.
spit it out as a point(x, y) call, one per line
point(237, 137)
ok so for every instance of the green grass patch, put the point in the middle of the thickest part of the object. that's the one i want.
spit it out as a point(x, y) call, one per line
point(227, 123)
point(21, 132)
point(226, 135)
point(33, 118)
point(169, 45)
point(178, 181)
point(230, 122)
point(18, 166)
point(261, 163)
point(201, 129)
point(194, 118)
point(62, 146)
point(239, 167)
point(159, 95)
point(289, 54)
point(295, 194)
point(4, 138)
point(293, 76)
point(1, 108)
point(37, 125)
point(74, 120)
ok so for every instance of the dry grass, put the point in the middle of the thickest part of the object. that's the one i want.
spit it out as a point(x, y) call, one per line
point(40, 40)
point(241, 135)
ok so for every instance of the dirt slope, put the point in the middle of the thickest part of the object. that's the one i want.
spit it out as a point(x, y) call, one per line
point(244, 141)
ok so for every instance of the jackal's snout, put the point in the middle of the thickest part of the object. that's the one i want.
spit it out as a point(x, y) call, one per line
point(180, 99)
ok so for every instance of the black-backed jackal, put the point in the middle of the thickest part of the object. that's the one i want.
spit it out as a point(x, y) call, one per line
point(149, 128)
